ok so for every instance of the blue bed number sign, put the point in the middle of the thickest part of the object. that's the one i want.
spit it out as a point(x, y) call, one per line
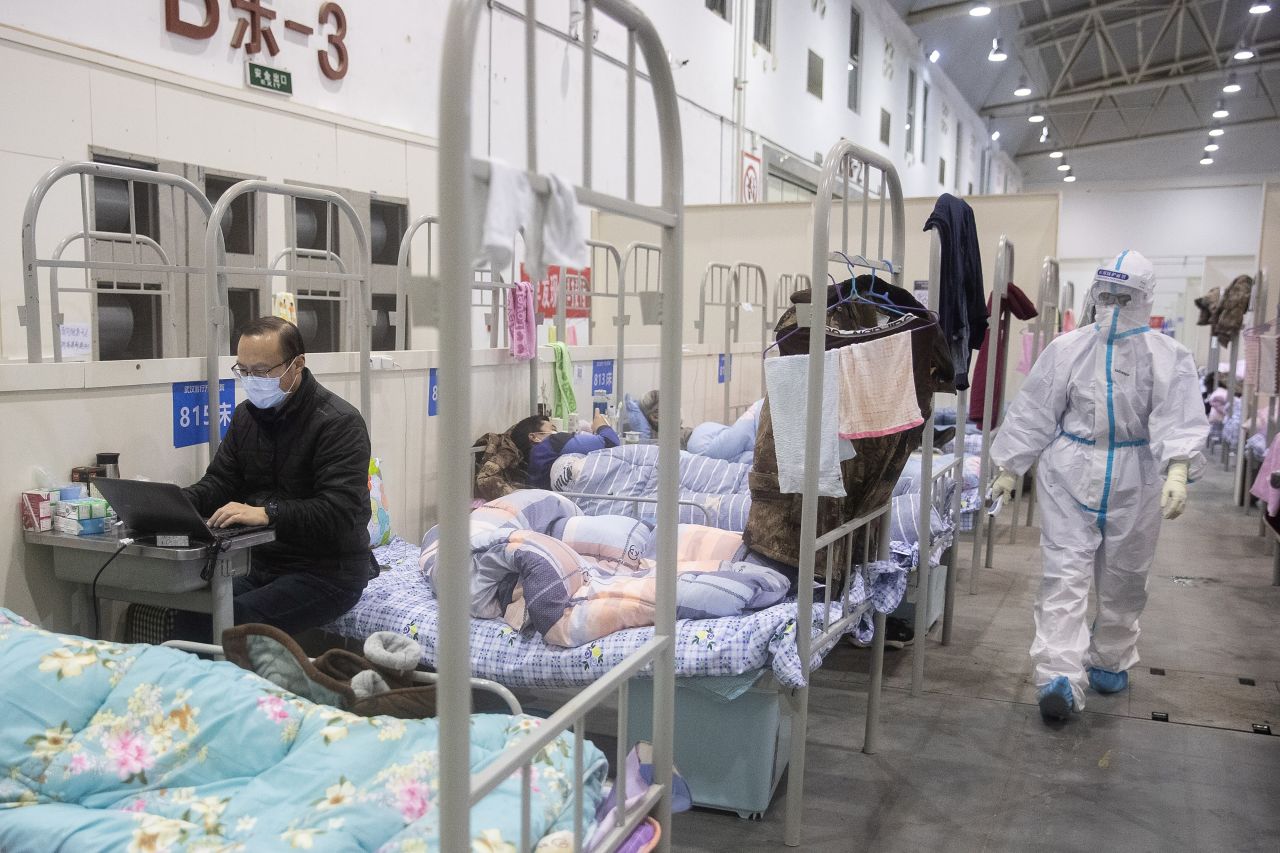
point(726, 367)
point(433, 393)
point(191, 411)
point(602, 376)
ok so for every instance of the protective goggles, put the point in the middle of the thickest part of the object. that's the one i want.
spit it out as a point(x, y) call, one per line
point(1106, 297)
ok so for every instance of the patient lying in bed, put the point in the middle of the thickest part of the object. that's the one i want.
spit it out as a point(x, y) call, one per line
point(540, 564)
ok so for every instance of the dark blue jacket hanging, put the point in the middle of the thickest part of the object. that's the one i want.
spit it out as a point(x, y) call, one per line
point(962, 308)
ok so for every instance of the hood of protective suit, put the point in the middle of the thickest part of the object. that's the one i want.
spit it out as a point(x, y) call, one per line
point(1129, 274)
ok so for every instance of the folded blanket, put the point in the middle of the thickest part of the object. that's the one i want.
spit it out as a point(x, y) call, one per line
point(539, 563)
point(632, 471)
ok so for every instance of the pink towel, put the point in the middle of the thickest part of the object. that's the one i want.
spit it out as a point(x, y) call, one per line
point(878, 388)
point(1028, 352)
point(520, 323)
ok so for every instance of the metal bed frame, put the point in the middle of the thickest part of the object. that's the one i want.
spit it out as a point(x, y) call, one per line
point(360, 317)
point(1048, 301)
point(32, 263)
point(999, 289)
point(787, 284)
point(733, 287)
point(1249, 405)
point(837, 174)
point(929, 482)
point(459, 171)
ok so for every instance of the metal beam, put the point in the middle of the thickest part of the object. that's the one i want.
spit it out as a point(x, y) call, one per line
point(1071, 60)
point(951, 10)
point(1051, 40)
point(1171, 134)
point(1017, 108)
point(1067, 17)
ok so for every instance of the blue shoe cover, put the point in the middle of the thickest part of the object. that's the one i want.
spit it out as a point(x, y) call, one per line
point(1055, 699)
point(1106, 681)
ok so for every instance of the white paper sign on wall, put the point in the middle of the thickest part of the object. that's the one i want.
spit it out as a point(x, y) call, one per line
point(77, 341)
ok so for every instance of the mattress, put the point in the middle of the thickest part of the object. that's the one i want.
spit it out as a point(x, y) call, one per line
point(400, 600)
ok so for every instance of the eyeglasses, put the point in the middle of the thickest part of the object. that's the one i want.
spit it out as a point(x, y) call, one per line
point(240, 371)
point(1106, 297)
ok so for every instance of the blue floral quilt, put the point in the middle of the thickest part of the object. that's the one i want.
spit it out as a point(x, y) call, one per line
point(143, 748)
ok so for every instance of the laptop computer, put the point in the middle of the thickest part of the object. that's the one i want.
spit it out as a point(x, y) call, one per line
point(148, 508)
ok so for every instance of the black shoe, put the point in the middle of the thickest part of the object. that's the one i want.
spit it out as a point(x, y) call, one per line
point(898, 633)
point(942, 436)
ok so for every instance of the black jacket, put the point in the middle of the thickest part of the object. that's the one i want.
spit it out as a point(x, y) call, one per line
point(312, 456)
point(962, 309)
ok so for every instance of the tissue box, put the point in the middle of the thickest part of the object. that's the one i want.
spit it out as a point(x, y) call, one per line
point(37, 509)
point(80, 526)
point(82, 509)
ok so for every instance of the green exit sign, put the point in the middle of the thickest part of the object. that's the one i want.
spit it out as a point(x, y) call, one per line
point(268, 79)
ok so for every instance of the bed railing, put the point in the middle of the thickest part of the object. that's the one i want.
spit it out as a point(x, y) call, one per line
point(459, 202)
point(166, 269)
point(360, 319)
point(846, 167)
point(1002, 275)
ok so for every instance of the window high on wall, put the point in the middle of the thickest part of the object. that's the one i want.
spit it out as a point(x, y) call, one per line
point(924, 124)
point(855, 59)
point(955, 172)
point(720, 7)
point(911, 112)
point(814, 81)
point(764, 24)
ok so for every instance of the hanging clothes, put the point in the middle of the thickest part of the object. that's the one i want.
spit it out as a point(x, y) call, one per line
point(521, 325)
point(1068, 321)
point(1028, 353)
point(1228, 318)
point(1015, 304)
point(869, 376)
point(961, 313)
point(870, 475)
point(787, 384)
point(562, 375)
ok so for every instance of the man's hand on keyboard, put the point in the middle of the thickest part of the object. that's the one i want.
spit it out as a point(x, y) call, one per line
point(234, 514)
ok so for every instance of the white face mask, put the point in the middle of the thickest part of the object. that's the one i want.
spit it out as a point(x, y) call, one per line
point(265, 391)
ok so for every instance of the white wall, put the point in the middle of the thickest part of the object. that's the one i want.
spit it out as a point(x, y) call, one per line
point(1195, 221)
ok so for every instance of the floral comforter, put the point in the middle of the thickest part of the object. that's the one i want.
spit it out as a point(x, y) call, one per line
point(143, 748)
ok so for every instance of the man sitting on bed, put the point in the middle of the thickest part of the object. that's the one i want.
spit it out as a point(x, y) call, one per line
point(296, 456)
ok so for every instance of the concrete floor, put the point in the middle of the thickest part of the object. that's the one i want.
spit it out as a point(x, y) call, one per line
point(969, 765)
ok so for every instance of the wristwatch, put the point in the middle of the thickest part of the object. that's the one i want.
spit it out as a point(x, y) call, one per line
point(272, 508)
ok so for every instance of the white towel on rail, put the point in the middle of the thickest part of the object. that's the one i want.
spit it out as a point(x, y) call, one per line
point(786, 382)
point(561, 232)
point(509, 210)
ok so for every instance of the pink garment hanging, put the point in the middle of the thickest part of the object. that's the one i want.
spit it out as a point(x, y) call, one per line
point(1028, 352)
point(1068, 321)
point(1262, 489)
point(876, 382)
point(520, 323)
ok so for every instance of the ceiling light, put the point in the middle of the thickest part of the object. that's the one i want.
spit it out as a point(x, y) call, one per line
point(1244, 53)
point(850, 66)
point(1221, 111)
point(995, 135)
point(1035, 118)
point(1211, 147)
point(1070, 179)
point(1044, 134)
point(1206, 161)
point(1055, 154)
point(934, 56)
point(1063, 167)
point(1259, 8)
point(979, 10)
point(1023, 90)
point(1217, 131)
point(997, 53)
point(1232, 86)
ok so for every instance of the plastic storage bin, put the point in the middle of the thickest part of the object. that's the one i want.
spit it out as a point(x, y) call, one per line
point(937, 596)
point(731, 751)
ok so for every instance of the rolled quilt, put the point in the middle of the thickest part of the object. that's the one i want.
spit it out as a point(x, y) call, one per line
point(877, 388)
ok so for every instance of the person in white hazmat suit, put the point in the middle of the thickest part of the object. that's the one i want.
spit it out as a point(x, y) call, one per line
point(1108, 410)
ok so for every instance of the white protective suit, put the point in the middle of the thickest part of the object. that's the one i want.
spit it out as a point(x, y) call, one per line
point(1105, 409)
